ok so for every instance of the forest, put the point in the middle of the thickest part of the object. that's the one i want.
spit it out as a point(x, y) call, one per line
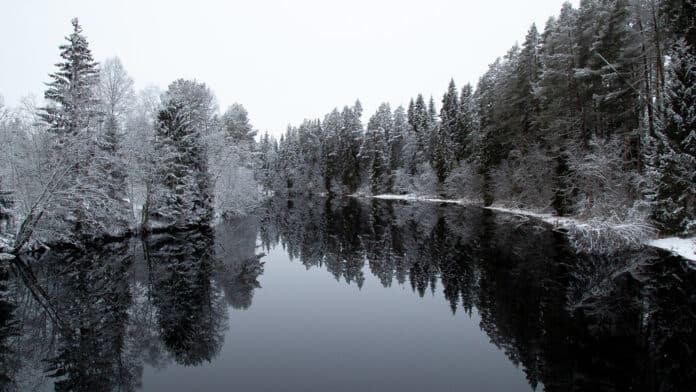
point(592, 117)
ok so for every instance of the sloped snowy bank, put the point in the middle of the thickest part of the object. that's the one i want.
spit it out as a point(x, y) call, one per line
point(630, 234)
point(684, 247)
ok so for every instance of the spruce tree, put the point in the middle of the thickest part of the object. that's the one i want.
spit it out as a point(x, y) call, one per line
point(397, 139)
point(467, 124)
point(418, 118)
point(448, 130)
point(675, 160)
point(526, 78)
point(236, 125)
point(78, 208)
point(111, 166)
point(557, 94)
point(184, 195)
point(73, 105)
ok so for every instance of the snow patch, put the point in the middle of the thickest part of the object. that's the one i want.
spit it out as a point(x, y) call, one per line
point(554, 220)
point(684, 247)
point(413, 197)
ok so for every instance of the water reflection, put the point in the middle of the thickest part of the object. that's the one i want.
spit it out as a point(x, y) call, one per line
point(94, 319)
point(90, 320)
point(571, 322)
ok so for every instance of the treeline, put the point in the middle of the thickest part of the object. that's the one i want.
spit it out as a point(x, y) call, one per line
point(592, 117)
point(99, 159)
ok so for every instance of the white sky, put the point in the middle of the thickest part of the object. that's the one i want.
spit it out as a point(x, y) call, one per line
point(283, 60)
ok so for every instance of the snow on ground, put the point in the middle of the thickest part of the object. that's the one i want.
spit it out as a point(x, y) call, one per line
point(556, 221)
point(684, 247)
point(413, 197)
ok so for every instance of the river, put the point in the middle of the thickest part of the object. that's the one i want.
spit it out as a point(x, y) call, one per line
point(347, 295)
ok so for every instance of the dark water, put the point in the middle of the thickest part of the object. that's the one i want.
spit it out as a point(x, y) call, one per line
point(347, 296)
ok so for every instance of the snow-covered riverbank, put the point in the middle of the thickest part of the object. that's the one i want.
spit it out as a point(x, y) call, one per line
point(684, 247)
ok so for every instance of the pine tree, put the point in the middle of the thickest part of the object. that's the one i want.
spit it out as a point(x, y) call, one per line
point(558, 95)
point(466, 124)
point(614, 62)
point(77, 208)
point(389, 139)
point(372, 154)
point(184, 197)
point(675, 161)
point(448, 130)
point(526, 78)
point(397, 139)
point(263, 168)
point(111, 166)
point(491, 150)
point(236, 125)
point(350, 136)
point(73, 105)
point(330, 154)
point(418, 118)
point(678, 18)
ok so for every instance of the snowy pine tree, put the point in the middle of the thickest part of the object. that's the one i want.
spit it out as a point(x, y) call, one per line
point(72, 102)
point(72, 205)
point(674, 163)
point(183, 193)
point(111, 167)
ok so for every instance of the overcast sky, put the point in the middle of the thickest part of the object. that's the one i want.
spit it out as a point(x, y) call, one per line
point(283, 60)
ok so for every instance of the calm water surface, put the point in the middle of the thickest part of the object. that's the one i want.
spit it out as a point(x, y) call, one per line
point(344, 296)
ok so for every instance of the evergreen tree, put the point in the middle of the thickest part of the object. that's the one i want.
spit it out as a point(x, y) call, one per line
point(675, 163)
point(524, 101)
point(615, 66)
point(418, 118)
point(558, 95)
point(266, 158)
point(397, 139)
point(448, 130)
point(72, 103)
point(238, 129)
point(111, 166)
point(462, 143)
point(184, 197)
point(77, 207)
point(330, 157)
point(678, 19)
point(349, 141)
point(372, 154)
point(432, 131)
point(381, 131)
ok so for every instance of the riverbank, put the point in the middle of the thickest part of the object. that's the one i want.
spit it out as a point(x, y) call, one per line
point(684, 247)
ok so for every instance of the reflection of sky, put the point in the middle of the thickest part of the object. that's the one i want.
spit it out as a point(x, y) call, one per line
point(305, 331)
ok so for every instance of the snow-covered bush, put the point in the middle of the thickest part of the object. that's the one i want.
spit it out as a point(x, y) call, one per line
point(424, 182)
point(464, 182)
point(524, 179)
point(605, 188)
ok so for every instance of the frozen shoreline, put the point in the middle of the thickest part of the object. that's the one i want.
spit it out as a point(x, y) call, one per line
point(684, 247)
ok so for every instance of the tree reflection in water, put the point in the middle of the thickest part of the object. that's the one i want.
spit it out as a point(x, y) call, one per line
point(92, 319)
point(572, 322)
